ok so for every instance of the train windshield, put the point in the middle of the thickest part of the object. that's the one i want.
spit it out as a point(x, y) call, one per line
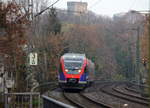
point(73, 66)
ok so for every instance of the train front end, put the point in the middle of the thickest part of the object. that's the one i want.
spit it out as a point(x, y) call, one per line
point(72, 73)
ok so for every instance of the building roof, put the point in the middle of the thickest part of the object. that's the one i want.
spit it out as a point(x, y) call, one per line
point(75, 3)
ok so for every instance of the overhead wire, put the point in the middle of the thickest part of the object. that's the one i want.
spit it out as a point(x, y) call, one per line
point(96, 3)
point(46, 8)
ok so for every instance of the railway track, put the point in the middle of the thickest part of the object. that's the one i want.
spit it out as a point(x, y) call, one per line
point(122, 90)
point(135, 90)
point(101, 95)
point(82, 101)
point(109, 89)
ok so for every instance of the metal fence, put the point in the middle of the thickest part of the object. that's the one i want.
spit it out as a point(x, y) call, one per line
point(22, 100)
point(1, 100)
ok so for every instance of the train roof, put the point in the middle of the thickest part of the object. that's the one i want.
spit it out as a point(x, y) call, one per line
point(74, 56)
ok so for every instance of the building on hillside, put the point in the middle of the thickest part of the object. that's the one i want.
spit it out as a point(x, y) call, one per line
point(77, 8)
point(131, 17)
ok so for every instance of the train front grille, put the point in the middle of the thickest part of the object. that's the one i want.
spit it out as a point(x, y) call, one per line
point(72, 80)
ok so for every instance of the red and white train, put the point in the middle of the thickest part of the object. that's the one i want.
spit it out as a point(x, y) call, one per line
point(75, 71)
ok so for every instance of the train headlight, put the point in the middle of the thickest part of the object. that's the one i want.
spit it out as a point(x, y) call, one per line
point(66, 70)
point(79, 71)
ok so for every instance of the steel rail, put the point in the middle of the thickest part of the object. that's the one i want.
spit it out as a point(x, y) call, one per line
point(104, 105)
point(106, 90)
point(86, 103)
point(130, 95)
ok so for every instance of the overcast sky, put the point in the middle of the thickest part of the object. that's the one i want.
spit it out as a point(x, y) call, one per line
point(109, 7)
